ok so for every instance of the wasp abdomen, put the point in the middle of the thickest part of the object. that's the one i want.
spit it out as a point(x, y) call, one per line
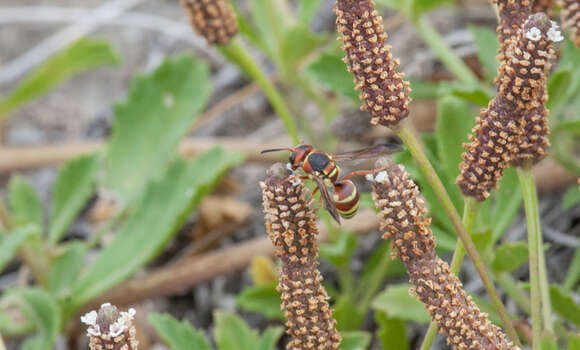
point(346, 198)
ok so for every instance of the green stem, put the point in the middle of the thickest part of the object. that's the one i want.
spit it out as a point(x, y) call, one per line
point(530, 197)
point(510, 287)
point(407, 134)
point(470, 211)
point(236, 53)
point(573, 273)
point(451, 61)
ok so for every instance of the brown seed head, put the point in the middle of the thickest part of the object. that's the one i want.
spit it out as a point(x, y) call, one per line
point(291, 225)
point(402, 219)
point(110, 329)
point(215, 20)
point(512, 14)
point(571, 18)
point(384, 93)
point(545, 6)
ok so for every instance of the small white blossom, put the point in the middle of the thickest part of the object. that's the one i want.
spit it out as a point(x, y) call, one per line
point(554, 34)
point(94, 331)
point(117, 328)
point(90, 318)
point(534, 34)
point(382, 177)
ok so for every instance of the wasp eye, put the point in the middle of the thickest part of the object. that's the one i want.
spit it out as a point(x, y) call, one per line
point(292, 158)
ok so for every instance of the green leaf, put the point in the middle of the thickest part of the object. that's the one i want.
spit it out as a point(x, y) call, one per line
point(24, 202)
point(338, 252)
point(467, 92)
point(482, 241)
point(355, 340)
point(348, 317)
point(573, 341)
point(558, 86)
point(40, 308)
point(454, 123)
point(393, 4)
point(270, 338)
point(330, 71)
point(72, 189)
point(307, 9)
point(149, 125)
point(263, 299)
point(418, 7)
point(391, 332)
point(571, 197)
point(232, 333)
point(509, 256)
point(11, 241)
point(378, 268)
point(269, 25)
point(80, 56)
point(487, 46)
point(423, 89)
point(162, 210)
point(564, 305)
point(178, 335)
point(549, 342)
point(445, 240)
point(396, 302)
point(297, 43)
point(65, 268)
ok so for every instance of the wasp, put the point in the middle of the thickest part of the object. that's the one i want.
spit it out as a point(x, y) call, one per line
point(321, 167)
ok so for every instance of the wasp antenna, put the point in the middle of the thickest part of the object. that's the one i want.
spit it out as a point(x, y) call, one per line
point(275, 150)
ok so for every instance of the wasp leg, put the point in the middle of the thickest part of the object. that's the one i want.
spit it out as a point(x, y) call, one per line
point(363, 173)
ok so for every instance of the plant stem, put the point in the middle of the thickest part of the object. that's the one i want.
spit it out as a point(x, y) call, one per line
point(471, 208)
point(509, 285)
point(573, 273)
point(236, 53)
point(451, 61)
point(407, 134)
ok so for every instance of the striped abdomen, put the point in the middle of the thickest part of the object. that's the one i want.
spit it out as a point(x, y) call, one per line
point(320, 164)
point(346, 198)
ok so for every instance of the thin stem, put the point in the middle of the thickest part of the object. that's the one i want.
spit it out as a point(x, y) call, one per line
point(531, 206)
point(470, 211)
point(573, 274)
point(2, 345)
point(510, 287)
point(407, 134)
point(452, 62)
point(236, 53)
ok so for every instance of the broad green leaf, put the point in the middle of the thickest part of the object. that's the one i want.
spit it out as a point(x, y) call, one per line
point(178, 335)
point(509, 256)
point(482, 241)
point(391, 332)
point(487, 46)
point(558, 86)
point(149, 124)
point(454, 123)
point(348, 317)
point(338, 252)
point(11, 241)
point(25, 205)
point(72, 189)
point(80, 56)
point(162, 210)
point(564, 305)
point(418, 7)
point(396, 302)
point(467, 92)
point(507, 202)
point(423, 89)
point(65, 268)
point(42, 310)
point(232, 333)
point(297, 43)
point(270, 338)
point(269, 24)
point(355, 340)
point(573, 341)
point(307, 9)
point(264, 299)
point(571, 197)
point(377, 269)
point(330, 71)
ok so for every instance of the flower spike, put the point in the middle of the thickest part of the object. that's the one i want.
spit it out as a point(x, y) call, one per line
point(110, 329)
point(215, 20)
point(571, 18)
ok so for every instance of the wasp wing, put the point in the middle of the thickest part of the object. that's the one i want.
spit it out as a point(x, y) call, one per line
point(369, 152)
point(328, 203)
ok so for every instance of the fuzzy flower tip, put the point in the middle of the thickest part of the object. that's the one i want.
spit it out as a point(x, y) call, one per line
point(402, 219)
point(384, 93)
point(215, 20)
point(108, 328)
point(571, 18)
point(291, 226)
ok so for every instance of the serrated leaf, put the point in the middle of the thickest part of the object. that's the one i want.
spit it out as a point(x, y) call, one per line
point(178, 335)
point(25, 205)
point(297, 43)
point(487, 46)
point(571, 197)
point(329, 70)
point(348, 317)
point(338, 252)
point(355, 340)
point(71, 191)
point(65, 268)
point(149, 124)
point(454, 123)
point(307, 9)
point(80, 56)
point(162, 210)
point(263, 299)
point(232, 333)
point(396, 302)
point(564, 305)
point(391, 332)
point(40, 308)
point(509, 256)
point(11, 241)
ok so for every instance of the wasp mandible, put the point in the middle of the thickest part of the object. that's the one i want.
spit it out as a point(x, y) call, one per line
point(321, 167)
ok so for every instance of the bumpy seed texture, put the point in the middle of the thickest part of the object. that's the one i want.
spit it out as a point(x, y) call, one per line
point(384, 93)
point(545, 6)
point(290, 224)
point(402, 218)
point(109, 329)
point(571, 18)
point(512, 14)
point(514, 127)
point(215, 20)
